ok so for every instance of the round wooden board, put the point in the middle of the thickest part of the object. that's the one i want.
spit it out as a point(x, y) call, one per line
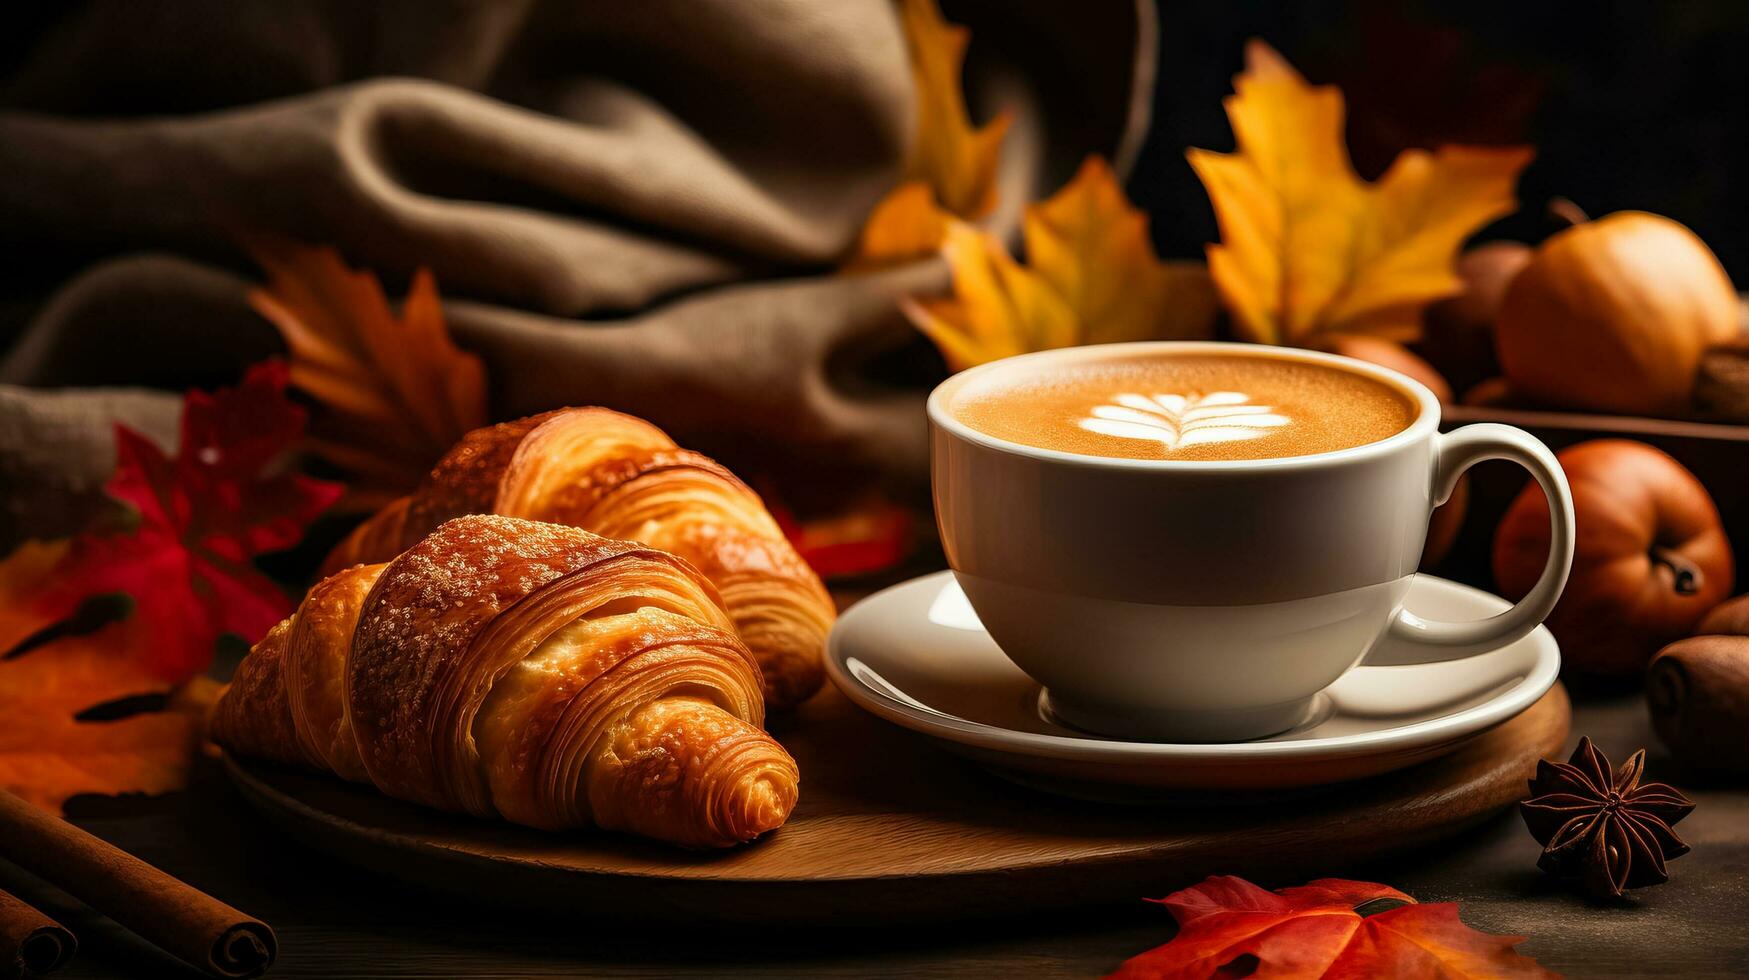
point(890, 828)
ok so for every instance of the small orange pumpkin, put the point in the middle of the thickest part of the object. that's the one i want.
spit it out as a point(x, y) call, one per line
point(1612, 315)
point(1650, 558)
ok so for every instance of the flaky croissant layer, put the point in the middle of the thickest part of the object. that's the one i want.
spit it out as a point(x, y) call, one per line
point(525, 670)
point(622, 477)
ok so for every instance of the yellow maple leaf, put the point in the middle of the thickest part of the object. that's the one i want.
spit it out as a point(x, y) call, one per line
point(957, 161)
point(395, 392)
point(1309, 248)
point(47, 752)
point(999, 307)
point(1091, 245)
point(1092, 277)
point(952, 166)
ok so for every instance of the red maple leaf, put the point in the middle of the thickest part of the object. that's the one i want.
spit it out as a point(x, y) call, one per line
point(873, 536)
point(1228, 927)
point(203, 514)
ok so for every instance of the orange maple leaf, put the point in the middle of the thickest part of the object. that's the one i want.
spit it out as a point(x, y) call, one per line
point(1328, 928)
point(395, 393)
point(26, 577)
point(906, 225)
point(956, 161)
point(1307, 247)
point(48, 752)
point(1092, 277)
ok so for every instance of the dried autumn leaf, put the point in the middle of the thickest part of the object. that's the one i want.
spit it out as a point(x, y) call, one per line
point(872, 536)
point(203, 515)
point(1093, 278)
point(1230, 927)
point(47, 753)
point(24, 579)
point(1091, 245)
point(1309, 248)
point(999, 308)
point(907, 224)
point(955, 160)
point(395, 393)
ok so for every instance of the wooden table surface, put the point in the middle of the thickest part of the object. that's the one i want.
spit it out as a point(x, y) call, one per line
point(333, 921)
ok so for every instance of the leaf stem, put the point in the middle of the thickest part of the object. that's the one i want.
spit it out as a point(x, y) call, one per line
point(1566, 212)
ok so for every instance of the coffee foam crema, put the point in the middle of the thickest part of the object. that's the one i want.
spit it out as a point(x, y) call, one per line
point(1185, 407)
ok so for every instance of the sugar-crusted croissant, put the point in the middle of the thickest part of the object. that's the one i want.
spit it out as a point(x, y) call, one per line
point(622, 477)
point(536, 672)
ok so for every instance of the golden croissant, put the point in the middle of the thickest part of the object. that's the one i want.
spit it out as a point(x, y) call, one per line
point(622, 477)
point(530, 671)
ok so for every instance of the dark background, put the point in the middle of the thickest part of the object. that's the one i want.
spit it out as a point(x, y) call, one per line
point(1629, 105)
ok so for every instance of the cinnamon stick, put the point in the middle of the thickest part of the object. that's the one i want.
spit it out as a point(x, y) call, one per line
point(1697, 692)
point(1721, 384)
point(31, 943)
point(179, 919)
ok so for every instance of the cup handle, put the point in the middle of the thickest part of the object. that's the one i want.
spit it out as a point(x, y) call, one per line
point(1413, 640)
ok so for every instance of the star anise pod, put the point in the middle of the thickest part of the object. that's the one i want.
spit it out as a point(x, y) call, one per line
point(1602, 828)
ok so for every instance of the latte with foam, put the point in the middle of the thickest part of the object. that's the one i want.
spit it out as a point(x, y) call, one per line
point(1186, 407)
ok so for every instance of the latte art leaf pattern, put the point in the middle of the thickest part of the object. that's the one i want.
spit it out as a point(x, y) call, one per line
point(1178, 421)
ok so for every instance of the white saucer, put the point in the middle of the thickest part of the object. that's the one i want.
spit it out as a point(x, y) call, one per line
point(916, 655)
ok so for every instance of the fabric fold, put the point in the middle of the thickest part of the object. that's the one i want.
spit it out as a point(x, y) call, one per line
point(635, 204)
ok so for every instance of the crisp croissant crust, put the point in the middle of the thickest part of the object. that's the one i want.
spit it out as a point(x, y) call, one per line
point(541, 673)
point(624, 478)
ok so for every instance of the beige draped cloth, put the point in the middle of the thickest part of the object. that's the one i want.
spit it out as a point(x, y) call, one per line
point(640, 205)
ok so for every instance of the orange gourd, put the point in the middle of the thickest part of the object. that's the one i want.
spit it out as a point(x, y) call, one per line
point(1651, 557)
point(1613, 315)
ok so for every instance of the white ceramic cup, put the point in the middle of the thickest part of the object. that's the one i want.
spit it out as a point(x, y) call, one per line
point(1212, 600)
